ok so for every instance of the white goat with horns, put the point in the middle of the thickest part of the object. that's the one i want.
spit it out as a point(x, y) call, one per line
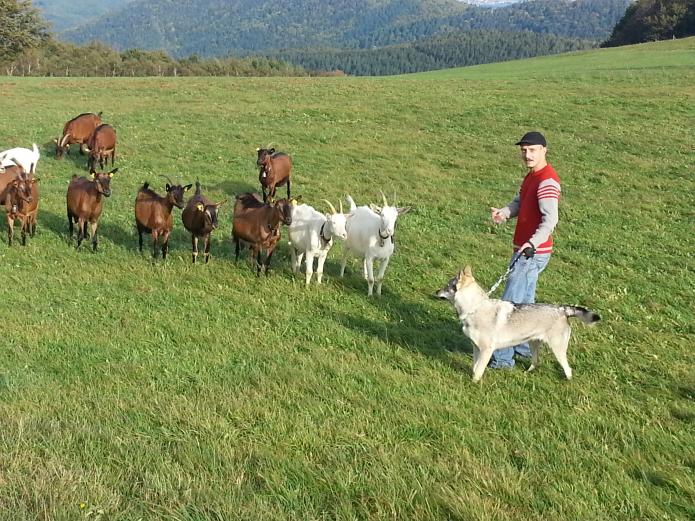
point(370, 232)
point(311, 234)
point(23, 157)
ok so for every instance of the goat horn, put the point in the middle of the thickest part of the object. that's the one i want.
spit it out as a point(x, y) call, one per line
point(330, 206)
point(383, 197)
point(64, 139)
point(340, 202)
point(167, 178)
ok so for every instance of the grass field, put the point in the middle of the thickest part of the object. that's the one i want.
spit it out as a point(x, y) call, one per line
point(131, 390)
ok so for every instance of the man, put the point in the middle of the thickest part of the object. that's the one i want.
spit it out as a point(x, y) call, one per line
point(536, 210)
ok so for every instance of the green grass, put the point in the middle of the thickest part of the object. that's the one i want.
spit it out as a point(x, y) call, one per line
point(137, 391)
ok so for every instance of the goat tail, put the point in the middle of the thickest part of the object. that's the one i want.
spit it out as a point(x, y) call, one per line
point(352, 204)
point(36, 149)
point(145, 185)
point(585, 315)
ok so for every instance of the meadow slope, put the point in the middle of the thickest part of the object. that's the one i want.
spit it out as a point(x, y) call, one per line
point(132, 390)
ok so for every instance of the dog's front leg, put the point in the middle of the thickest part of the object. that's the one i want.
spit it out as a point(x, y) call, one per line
point(484, 356)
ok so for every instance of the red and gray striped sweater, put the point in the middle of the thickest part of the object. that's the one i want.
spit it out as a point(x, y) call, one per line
point(536, 209)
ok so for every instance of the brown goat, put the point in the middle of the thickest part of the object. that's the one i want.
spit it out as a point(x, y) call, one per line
point(77, 131)
point(153, 214)
point(7, 175)
point(200, 219)
point(101, 146)
point(258, 225)
point(275, 170)
point(85, 201)
point(22, 202)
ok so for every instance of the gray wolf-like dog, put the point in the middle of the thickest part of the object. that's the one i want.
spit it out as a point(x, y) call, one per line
point(495, 324)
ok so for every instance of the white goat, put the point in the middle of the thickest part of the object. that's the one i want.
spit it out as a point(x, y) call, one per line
point(370, 236)
point(23, 157)
point(311, 234)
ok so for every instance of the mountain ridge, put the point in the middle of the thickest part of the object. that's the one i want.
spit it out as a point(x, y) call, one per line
point(243, 27)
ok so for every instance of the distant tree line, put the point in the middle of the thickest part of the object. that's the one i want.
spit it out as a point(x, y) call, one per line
point(650, 20)
point(454, 50)
point(54, 58)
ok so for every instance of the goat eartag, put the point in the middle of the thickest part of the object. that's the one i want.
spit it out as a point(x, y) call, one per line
point(294, 202)
point(200, 207)
point(94, 176)
point(110, 174)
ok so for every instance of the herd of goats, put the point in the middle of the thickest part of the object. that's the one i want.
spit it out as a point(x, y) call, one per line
point(367, 231)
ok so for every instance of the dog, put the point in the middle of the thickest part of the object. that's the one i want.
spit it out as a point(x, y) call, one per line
point(495, 324)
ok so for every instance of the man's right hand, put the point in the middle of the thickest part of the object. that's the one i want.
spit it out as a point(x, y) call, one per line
point(498, 216)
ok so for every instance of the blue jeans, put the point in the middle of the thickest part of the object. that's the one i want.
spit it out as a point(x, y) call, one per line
point(520, 289)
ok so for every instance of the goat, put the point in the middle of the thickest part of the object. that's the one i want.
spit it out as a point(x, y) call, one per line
point(370, 236)
point(77, 131)
point(100, 146)
point(258, 224)
point(153, 214)
point(23, 157)
point(22, 202)
point(311, 234)
point(85, 201)
point(275, 170)
point(200, 219)
point(7, 175)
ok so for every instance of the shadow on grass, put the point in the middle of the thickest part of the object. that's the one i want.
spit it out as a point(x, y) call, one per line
point(412, 324)
point(233, 188)
point(58, 225)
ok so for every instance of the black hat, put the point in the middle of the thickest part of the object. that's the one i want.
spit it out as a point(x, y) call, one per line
point(532, 138)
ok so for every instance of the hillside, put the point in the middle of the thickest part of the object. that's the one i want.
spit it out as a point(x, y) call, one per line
point(64, 14)
point(221, 27)
point(456, 49)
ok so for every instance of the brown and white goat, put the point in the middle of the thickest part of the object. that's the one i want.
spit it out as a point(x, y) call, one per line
point(77, 131)
point(153, 213)
point(200, 219)
point(85, 202)
point(101, 146)
point(258, 225)
point(22, 203)
point(275, 170)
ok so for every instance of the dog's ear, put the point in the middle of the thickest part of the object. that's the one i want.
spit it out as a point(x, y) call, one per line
point(464, 278)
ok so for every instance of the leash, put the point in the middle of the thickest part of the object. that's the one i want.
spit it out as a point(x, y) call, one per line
point(504, 275)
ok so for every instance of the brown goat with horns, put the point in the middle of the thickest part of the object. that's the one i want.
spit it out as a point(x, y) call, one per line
point(200, 219)
point(153, 213)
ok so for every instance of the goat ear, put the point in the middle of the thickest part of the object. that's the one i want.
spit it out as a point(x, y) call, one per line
point(35, 180)
point(375, 208)
point(168, 187)
point(404, 209)
point(113, 171)
point(199, 207)
point(187, 188)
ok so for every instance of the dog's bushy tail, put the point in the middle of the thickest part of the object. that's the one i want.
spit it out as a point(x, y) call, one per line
point(585, 315)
